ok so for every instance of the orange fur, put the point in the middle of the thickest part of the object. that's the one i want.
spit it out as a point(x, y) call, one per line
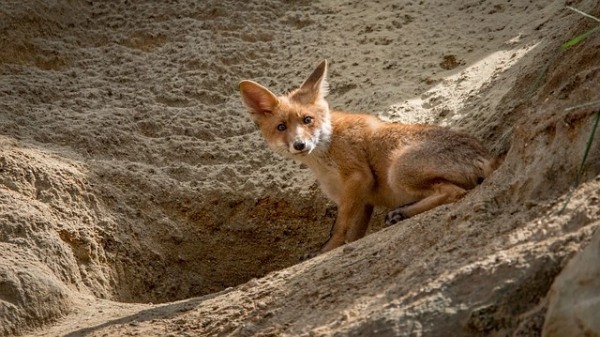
point(361, 161)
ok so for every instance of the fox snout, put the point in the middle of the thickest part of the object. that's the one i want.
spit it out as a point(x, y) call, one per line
point(299, 145)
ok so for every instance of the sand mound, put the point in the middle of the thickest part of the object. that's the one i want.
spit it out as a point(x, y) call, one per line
point(130, 172)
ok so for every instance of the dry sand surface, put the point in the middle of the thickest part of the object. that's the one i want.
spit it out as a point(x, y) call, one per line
point(138, 199)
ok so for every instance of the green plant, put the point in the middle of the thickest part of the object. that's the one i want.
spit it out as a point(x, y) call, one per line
point(571, 42)
point(585, 155)
point(582, 36)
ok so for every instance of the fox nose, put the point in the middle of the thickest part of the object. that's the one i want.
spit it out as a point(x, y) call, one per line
point(299, 145)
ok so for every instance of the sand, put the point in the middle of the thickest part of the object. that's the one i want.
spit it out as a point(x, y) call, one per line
point(138, 198)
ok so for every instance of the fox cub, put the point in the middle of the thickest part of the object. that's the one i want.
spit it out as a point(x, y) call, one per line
point(361, 161)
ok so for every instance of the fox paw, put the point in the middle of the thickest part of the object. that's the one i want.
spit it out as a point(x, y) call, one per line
point(308, 256)
point(394, 216)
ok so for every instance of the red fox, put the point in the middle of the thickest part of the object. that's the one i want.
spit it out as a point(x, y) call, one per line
point(361, 161)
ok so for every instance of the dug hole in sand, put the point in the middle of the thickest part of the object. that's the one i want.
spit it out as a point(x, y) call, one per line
point(137, 197)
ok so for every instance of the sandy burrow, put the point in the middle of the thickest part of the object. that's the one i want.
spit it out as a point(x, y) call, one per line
point(132, 173)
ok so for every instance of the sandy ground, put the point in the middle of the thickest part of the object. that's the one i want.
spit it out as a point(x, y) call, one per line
point(137, 197)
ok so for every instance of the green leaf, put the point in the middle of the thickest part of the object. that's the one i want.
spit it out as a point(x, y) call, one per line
point(578, 38)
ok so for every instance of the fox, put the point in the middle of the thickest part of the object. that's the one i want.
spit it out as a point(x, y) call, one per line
point(362, 162)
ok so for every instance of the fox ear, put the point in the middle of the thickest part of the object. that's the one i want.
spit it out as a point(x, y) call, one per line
point(258, 99)
point(315, 87)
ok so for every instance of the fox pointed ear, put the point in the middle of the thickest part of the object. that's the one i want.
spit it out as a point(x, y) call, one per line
point(258, 99)
point(315, 87)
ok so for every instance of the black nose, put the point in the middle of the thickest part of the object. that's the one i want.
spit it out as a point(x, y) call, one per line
point(299, 145)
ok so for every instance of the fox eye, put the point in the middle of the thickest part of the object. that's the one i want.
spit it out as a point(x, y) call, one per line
point(281, 127)
point(308, 120)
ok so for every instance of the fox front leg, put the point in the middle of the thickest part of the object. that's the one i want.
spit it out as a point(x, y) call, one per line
point(343, 232)
point(353, 215)
point(348, 227)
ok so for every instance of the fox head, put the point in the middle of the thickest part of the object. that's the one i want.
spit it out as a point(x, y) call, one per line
point(295, 124)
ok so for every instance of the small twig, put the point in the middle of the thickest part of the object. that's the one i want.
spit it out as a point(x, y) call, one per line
point(583, 13)
point(538, 80)
point(582, 105)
